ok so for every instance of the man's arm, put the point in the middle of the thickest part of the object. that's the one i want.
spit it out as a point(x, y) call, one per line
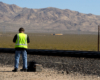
point(28, 40)
point(15, 38)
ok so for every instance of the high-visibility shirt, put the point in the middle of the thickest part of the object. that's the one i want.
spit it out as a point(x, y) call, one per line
point(21, 41)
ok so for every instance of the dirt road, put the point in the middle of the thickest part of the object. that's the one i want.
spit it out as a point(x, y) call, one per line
point(46, 74)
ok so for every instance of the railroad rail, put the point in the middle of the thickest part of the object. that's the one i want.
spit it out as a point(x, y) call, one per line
point(71, 53)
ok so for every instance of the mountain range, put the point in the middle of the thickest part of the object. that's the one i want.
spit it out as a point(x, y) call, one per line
point(46, 19)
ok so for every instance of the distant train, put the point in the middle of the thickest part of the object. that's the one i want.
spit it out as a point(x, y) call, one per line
point(57, 34)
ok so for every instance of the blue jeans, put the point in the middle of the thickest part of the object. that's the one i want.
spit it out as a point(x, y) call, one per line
point(24, 57)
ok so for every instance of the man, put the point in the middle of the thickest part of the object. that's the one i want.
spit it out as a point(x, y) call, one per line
point(21, 39)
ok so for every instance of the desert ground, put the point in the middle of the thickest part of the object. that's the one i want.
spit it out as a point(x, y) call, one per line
point(74, 69)
point(46, 74)
point(86, 42)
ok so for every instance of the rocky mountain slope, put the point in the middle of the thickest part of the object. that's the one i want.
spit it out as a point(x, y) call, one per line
point(47, 19)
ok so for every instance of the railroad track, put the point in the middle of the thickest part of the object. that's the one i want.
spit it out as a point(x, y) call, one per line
point(71, 53)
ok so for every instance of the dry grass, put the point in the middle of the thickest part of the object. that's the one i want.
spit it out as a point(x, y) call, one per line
point(47, 41)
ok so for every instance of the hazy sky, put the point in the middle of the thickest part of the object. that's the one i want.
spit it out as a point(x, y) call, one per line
point(83, 6)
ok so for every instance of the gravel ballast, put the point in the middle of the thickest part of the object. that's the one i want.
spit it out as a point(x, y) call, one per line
point(84, 66)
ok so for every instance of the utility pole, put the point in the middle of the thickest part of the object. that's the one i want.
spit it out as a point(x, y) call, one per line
point(98, 36)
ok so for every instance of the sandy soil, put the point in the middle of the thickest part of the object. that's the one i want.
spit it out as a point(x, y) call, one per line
point(70, 68)
point(47, 74)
